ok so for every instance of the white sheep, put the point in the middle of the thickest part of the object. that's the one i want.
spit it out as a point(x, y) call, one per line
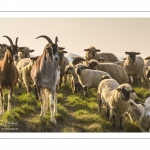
point(146, 71)
point(134, 67)
point(116, 97)
point(70, 69)
point(116, 72)
point(144, 120)
point(89, 78)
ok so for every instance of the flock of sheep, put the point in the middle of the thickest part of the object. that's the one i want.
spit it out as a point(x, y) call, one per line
point(113, 79)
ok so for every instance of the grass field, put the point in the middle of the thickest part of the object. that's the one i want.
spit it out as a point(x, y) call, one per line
point(75, 114)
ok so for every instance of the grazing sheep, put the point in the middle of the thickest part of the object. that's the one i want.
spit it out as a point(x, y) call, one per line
point(70, 69)
point(45, 74)
point(116, 72)
point(116, 97)
point(89, 78)
point(77, 59)
point(110, 57)
point(63, 62)
point(8, 73)
point(134, 67)
point(146, 72)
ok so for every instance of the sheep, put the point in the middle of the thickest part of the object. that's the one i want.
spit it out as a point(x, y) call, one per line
point(116, 97)
point(8, 73)
point(134, 111)
point(146, 72)
point(91, 53)
point(77, 59)
point(24, 68)
point(134, 67)
point(116, 72)
point(63, 62)
point(45, 73)
point(144, 120)
point(110, 57)
point(88, 78)
point(70, 69)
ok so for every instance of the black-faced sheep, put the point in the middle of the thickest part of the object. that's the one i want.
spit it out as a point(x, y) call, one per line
point(116, 72)
point(116, 97)
point(89, 78)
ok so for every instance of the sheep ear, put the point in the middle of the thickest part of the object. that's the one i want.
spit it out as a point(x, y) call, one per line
point(118, 89)
point(83, 59)
point(124, 58)
point(32, 50)
point(147, 58)
point(86, 67)
point(34, 58)
point(86, 49)
point(72, 57)
point(20, 49)
point(137, 53)
point(65, 52)
point(98, 50)
point(132, 91)
point(126, 53)
point(142, 104)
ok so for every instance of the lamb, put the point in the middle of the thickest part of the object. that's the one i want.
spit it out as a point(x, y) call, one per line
point(63, 62)
point(116, 97)
point(146, 72)
point(70, 69)
point(116, 72)
point(45, 74)
point(88, 78)
point(8, 73)
point(134, 67)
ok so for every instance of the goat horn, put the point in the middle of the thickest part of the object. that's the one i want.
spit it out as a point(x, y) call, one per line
point(46, 37)
point(9, 39)
point(56, 40)
point(16, 41)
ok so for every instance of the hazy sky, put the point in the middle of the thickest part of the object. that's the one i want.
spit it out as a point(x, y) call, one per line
point(115, 35)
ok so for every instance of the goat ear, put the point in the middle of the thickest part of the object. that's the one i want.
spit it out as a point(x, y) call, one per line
point(32, 50)
point(137, 53)
point(98, 50)
point(86, 49)
point(61, 48)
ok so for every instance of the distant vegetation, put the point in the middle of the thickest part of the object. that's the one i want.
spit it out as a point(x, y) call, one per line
point(75, 114)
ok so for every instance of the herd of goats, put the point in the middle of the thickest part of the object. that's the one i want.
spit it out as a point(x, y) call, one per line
point(112, 78)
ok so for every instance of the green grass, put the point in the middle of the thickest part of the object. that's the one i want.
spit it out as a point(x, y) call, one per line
point(76, 113)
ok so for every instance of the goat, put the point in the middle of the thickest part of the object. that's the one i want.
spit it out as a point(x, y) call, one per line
point(45, 73)
point(8, 73)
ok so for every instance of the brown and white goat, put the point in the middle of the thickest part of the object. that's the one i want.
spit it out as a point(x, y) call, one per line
point(8, 73)
point(45, 73)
